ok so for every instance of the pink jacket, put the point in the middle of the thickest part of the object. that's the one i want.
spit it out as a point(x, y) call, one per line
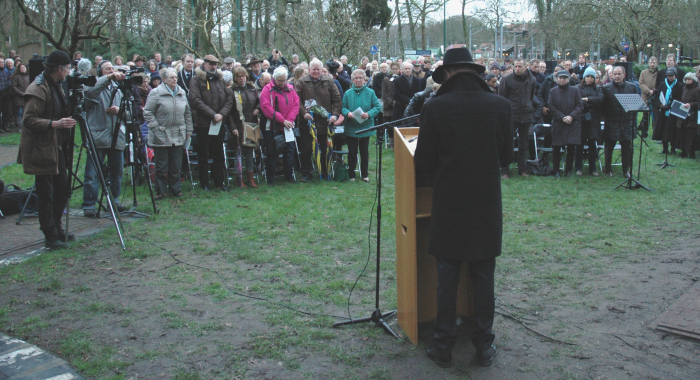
point(287, 103)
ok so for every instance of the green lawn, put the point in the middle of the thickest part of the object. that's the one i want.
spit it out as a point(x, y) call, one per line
point(303, 246)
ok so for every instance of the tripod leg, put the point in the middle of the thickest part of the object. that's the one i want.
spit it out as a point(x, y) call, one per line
point(21, 214)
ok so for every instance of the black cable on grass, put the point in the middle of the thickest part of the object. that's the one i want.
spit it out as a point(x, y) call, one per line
point(369, 229)
point(231, 290)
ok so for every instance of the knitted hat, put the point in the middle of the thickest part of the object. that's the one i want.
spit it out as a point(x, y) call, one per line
point(589, 71)
point(58, 58)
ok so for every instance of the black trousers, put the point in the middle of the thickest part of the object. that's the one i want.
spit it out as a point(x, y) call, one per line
point(52, 192)
point(626, 155)
point(592, 155)
point(306, 150)
point(353, 144)
point(168, 160)
point(556, 158)
point(273, 155)
point(480, 331)
point(210, 146)
point(523, 129)
point(6, 117)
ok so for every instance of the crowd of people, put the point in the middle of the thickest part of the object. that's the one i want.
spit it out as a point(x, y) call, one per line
point(304, 111)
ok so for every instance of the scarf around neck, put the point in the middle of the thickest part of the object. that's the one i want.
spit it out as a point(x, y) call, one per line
point(669, 87)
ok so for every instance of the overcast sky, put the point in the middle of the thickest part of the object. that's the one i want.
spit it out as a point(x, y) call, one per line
point(454, 8)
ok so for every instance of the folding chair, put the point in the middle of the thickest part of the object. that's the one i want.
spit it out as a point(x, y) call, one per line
point(539, 132)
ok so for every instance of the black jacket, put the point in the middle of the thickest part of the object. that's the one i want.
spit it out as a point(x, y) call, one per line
point(464, 123)
point(377, 84)
point(661, 76)
point(619, 125)
point(565, 101)
point(344, 79)
point(519, 89)
point(404, 91)
point(594, 93)
point(416, 104)
point(183, 81)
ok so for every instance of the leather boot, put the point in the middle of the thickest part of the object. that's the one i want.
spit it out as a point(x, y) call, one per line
point(251, 180)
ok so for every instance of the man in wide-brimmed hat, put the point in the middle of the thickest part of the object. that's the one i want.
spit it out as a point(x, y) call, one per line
point(465, 138)
point(254, 69)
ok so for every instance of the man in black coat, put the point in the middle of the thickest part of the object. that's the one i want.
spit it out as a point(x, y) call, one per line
point(405, 86)
point(619, 125)
point(670, 62)
point(519, 87)
point(464, 123)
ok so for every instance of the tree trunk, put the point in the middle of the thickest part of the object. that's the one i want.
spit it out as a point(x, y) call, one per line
point(411, 25)
point(281, 23)
point(234, 34)
point(124, 41)
point(249, 26)
point(266, 26)
point(400, 32)
point(464, 25)
point(15, 27)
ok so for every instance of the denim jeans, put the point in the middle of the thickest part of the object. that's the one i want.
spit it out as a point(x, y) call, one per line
point(92, 181)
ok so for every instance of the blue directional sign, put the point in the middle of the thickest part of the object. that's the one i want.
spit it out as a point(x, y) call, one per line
point(374, 49)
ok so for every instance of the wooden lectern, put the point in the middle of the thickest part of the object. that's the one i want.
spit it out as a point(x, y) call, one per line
point(416, 274)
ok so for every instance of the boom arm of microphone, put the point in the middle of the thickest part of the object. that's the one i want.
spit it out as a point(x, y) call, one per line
point(388, 124)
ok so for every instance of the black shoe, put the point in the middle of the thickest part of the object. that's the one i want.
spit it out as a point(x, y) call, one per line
point(306, 178)
point(120, 208)
point(89, 213)
point(65, 238)
point(441, 357)
point(557, 175)
point(568, 175)
point(664, 152)
point(205, 188)
point(292, 181)
point(224, 188)
point(487, 357)
point(54, 243)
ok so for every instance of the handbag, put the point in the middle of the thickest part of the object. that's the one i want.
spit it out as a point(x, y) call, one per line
point(539, 167)
point(341, 170)
point(13, 199)
point(251, 135)
point(280, 142)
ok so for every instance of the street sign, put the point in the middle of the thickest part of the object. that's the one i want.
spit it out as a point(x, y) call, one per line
point(374, 49)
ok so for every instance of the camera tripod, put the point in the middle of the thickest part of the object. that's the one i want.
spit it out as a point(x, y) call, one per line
point(127, 117)
point(77, 99)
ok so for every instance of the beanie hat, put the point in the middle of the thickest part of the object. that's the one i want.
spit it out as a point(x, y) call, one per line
point(589, 71)
point(58, 58)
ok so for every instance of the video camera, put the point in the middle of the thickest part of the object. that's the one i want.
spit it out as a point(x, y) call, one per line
point(76, 79)
point(130, 79)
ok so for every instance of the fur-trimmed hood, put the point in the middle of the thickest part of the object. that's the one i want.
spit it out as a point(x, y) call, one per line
point(202, 74)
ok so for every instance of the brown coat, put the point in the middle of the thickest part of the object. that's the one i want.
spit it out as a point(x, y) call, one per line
point(388, 95)
point(208, 98)
point(20, 82)
point(647, 82)
point(691, 95)
point(39, 144)
point(327, 96)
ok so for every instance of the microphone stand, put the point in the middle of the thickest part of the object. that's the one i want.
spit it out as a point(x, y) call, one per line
point(377, 317)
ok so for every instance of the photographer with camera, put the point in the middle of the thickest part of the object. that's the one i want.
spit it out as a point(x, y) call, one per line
point(42, 146)
point(101, 118)
point(276, 60)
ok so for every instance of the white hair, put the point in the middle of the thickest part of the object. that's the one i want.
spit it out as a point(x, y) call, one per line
point(358, 72)
point(227, 76)
point(315, 62)
point(167, 72)
point(280, 72)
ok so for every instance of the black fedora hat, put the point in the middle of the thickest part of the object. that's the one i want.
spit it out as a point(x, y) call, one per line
point(456, 57)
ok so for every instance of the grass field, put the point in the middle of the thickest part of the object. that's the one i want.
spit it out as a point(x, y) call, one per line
point(302, 247)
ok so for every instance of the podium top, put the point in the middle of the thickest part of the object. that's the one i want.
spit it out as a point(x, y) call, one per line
point(632, 102)
point(407, 134)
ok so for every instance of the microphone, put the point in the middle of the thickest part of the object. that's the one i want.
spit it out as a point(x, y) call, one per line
point(84, 66)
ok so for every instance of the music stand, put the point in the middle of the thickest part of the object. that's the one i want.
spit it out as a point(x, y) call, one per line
point(633, 103)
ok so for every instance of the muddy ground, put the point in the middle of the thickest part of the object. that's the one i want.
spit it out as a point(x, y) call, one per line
point(134, 308)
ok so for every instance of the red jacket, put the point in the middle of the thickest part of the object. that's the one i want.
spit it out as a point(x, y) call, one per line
point(286, 101)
